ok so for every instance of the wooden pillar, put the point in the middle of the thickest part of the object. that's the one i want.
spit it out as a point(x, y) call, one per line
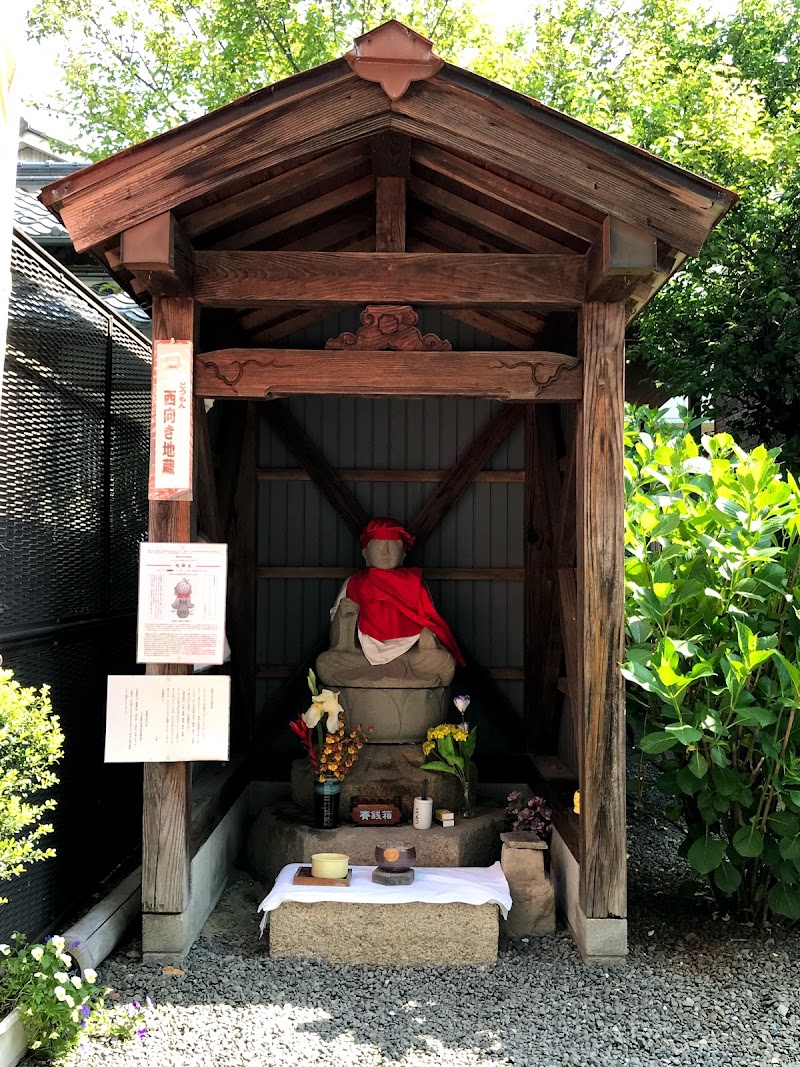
point(601, 612)
point(167, 799)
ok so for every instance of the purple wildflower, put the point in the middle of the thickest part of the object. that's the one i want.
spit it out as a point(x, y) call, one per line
point(85, 1011)
point(149, 1002)
point(48, 938)
point(142, 1033)
point(74, 944)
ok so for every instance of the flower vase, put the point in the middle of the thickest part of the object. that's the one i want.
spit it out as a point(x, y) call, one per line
point(467, 809)
point(326, 803)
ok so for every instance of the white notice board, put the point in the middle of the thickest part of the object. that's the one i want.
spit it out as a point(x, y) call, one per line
point(181, 603)
point(167, 718)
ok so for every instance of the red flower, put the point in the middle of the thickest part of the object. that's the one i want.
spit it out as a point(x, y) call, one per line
point(304, 733)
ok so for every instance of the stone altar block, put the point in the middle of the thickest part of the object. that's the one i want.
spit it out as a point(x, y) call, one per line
point(409, 935)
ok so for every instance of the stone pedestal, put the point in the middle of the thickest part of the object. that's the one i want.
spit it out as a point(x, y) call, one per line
point(383, 771)
point(409, 935)
point(533, 910)
point(281, 834)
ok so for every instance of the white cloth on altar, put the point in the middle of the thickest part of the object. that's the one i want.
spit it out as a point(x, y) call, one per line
point(431, 885)
point(378, 652)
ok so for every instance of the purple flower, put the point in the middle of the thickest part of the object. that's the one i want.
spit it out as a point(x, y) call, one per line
point(74, 944)
point(461, 703)
point(149, 1002)
point(513, 796)
point(85, 1011)
point(48, 938)
point(142, 1033)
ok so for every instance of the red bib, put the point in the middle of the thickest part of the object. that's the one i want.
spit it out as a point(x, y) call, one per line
point(395, 603)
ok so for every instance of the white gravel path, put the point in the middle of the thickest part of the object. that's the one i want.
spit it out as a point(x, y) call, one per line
point(696, 990)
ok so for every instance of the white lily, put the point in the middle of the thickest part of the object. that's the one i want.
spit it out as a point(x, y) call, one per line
point(326, 704)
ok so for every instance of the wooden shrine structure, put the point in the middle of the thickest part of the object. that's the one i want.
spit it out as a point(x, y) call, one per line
point(394, 182)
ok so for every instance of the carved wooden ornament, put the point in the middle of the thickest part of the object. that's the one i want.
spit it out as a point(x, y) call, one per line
point(389, 327)
point(394, 56)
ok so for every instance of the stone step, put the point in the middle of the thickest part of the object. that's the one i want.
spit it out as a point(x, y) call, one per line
point(410, 935)
point(281, 835)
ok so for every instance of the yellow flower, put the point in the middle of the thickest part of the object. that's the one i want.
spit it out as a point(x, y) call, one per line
point(427, 747)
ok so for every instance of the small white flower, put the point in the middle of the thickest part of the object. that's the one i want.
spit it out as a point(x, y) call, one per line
point(37, 952)
point(65, 959)
point(70, 1001)
point(5, 949)
point(76, 981)
point(90, 975)
point(60, 992)
point(61, 977)
point(58, 943)
point(461, 703)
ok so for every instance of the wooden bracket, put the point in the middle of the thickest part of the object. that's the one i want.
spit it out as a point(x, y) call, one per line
point(620, 257)
point(160, 255)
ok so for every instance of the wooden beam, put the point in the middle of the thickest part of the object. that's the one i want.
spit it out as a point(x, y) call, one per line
point(311, 459)
point(390, 215)
point(619, 258)
point(160, 255)
point(493, 326)
point(285, 670)
point(363, 474)
point(449, 574)
point(301, 214)
point(323, 168)
point(601, 613)
point(474, 459)
point(268, 373)
point(167, 791)
point(321, 279)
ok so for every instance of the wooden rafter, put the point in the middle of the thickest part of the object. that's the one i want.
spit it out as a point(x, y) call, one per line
point(474, 459)
point(324, 168)
point(311, 459)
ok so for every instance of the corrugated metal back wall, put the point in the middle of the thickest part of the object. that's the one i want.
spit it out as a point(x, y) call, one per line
point(297, 526)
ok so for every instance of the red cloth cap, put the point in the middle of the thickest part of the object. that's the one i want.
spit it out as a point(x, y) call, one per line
point(386, 529)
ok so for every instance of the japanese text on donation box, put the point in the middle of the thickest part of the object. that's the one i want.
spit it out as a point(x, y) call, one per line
point(181, 603)
point(163, 718)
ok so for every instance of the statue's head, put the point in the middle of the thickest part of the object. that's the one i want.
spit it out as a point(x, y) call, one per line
point(384, 543)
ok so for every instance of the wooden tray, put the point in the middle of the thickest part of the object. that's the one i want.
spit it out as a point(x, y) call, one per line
point(305, 877)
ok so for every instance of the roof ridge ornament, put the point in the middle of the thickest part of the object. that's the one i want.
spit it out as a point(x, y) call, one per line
point(393, 55)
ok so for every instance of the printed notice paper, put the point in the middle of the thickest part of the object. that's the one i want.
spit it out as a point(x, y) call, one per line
point(181, 603)
point(167, 718)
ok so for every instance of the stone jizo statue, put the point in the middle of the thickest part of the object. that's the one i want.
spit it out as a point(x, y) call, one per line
point(392, 655)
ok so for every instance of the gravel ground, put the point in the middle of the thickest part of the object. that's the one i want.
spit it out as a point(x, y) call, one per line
point(697, 989)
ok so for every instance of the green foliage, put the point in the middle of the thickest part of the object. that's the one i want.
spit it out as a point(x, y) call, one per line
point(59, 1008)
point(712, 539)
point(30, 745)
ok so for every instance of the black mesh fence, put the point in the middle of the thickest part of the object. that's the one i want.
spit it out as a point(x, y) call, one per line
point(74, 434)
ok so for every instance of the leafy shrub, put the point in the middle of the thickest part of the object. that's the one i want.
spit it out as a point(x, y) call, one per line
point(30, 744)
point(712, 551)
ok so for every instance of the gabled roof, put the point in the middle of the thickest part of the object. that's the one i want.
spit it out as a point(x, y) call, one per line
point(294, 167)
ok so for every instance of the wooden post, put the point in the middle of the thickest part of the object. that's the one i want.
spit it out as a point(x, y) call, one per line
point(242, 579)
point(601, 612)
point(167, 796)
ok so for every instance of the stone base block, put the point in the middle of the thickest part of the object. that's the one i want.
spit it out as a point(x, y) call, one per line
point(168, 938)
point(408, 935)
point(392, 877)
point(383, 771)
point(534, 911)
point(281, 835)
point(599, 940)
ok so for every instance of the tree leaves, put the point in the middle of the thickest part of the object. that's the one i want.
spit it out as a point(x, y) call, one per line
point(706, 854)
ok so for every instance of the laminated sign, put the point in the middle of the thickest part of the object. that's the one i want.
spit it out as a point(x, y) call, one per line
point(171, 422)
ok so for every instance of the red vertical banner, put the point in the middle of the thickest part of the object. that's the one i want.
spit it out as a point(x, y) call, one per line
point(171, 443)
